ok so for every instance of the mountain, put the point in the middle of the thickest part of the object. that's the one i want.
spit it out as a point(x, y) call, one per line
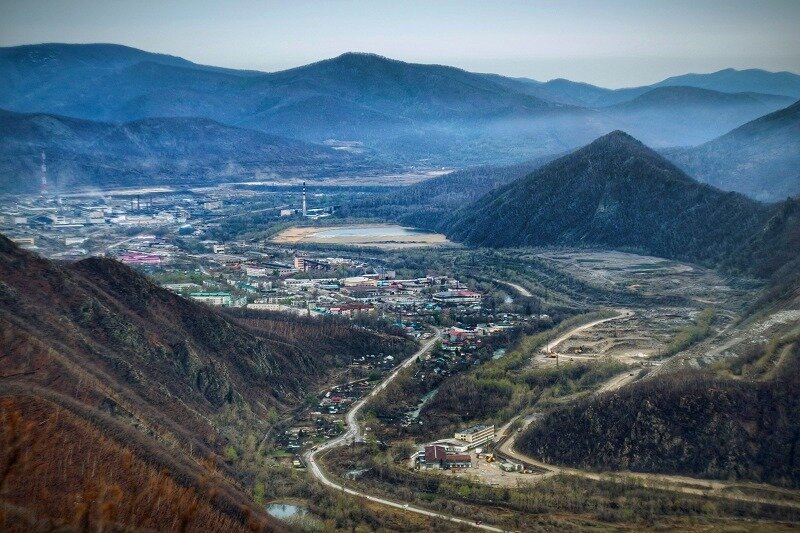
point(141, 387)
point(670, 116)
point(147, 151)
point(403, 112)
point(579, 93)
point(615, 192)
point(425, 204)
point(726, 81)
point(760, 159)
point(739, 81)
point(686, 424)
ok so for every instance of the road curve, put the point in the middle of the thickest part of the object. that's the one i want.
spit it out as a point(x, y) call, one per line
point(522, 291)
point(621, 313)
point(354, 431)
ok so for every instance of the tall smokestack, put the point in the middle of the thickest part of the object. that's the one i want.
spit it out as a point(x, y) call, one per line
point(305, 212)
point(44, 175)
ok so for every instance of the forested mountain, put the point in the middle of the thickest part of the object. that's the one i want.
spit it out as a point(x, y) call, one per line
point(688, 423)
point(760, 159)
point(614, 192)
point(669, 116)
point(147, 382)
point(403, 111)
point(148, 151)
point(426, 204)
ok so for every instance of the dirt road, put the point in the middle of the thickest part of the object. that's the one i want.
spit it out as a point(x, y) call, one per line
point(683, 484)
point(522, 291)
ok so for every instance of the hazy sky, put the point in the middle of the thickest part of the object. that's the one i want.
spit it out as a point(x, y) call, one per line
point(608, 42)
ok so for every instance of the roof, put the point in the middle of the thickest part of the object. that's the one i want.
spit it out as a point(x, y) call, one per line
point(434, 453)
point(474, 429)
point(458, 458)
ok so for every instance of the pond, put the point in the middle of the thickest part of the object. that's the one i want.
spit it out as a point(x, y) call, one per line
point(367, 231)
point(381, 235)
point(284, 511)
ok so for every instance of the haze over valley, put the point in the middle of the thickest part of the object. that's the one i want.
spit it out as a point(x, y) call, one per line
point(332, 290)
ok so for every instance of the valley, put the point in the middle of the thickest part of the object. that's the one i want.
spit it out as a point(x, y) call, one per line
point(361, 293)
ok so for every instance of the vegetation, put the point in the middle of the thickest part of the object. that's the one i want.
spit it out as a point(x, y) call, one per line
point(760, 158)
point(557, 503)
point(61, 466)
point(615, 192)
point(691, 423)
point(692, 334)
point(166, 379)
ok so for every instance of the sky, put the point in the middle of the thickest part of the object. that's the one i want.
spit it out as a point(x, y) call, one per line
point(613, 43)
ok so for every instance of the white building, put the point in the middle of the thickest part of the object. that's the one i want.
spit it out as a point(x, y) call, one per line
point(475, 435)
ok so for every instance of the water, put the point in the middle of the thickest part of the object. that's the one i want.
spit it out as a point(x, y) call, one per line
point(367, 231)
point(283, 511)
point(415, 413)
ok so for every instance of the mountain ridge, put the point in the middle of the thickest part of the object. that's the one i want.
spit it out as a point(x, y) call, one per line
point(615, 192)
point(402, 111)
point(150, 150)
point(760, 158)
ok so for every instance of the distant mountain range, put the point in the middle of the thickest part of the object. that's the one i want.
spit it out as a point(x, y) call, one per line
point(403, 112)
point(616, 192)
point(760, 159)
point(725, 81)
point(147, 151)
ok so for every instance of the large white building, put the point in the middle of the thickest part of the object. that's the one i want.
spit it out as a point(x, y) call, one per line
point(476, 435)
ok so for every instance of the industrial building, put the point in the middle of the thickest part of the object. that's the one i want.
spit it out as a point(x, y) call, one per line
point(475, 435)
point(438, 457)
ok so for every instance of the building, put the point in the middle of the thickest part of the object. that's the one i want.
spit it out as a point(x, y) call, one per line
point(305, 264)
point(457, 297)
point(218, 248)
point(24, 241)
point(364, 293)
point(138, 258)
point(476, 435)
point(451, 445)
point(212, 298)
point(178, 287)
point(437, 457)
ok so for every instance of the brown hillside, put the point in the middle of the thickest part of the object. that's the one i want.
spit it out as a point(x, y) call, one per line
point(126, 354)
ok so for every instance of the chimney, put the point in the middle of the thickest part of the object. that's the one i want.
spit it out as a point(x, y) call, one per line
point(305, 212)
point(44, 175)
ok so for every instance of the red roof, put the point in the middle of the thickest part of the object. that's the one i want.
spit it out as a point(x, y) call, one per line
point(434, 453)
point(458, 458)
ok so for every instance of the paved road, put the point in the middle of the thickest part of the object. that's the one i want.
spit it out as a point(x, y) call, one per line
point(354, 432)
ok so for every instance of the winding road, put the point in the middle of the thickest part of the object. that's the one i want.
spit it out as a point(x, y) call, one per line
point(683, 484)
point(354, 432)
